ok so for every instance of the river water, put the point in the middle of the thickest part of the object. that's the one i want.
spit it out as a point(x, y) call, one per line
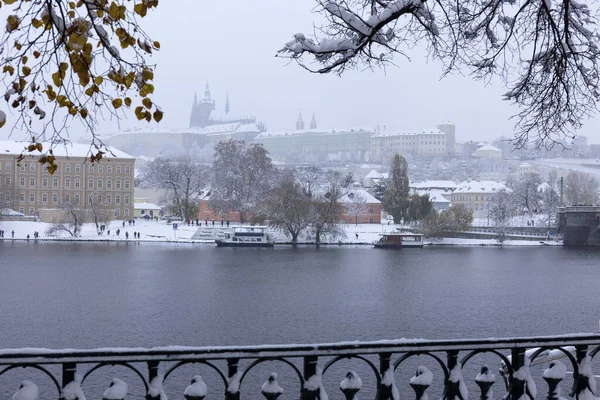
point(81, 295)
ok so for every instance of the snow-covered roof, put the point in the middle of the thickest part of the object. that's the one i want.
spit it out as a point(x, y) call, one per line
point(353, 194)
point(422, 132)
point(216, 129)
point(300, 132)
point(7, 212)
point(436, 196)
point(374, 174)
point(434, 184)
point(479, 187)
point(66, 150)
point(145, 206)
point(488, 147)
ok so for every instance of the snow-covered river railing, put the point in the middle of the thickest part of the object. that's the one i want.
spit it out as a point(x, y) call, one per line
point(311, 364)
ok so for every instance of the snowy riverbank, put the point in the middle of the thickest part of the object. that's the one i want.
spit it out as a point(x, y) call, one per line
point(151, 231)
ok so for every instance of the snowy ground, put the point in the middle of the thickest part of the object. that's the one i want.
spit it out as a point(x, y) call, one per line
point(521, 220)
point(161, 232)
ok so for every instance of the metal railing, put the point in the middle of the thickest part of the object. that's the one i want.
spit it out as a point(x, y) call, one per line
point(312, 362)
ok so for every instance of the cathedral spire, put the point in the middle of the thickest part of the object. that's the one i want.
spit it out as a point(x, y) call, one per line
point(300, 122)
point(207, 93)
point(313, 122)
point(227, 104)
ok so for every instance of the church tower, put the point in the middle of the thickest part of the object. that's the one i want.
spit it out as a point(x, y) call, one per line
point(227, 104)
point(201, 110)
point(300, 122)
point(313, 122)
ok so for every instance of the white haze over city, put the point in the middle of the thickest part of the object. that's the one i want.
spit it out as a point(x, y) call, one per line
point(233, 47)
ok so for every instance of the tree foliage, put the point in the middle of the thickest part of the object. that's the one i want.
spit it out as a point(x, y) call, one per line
point(242, 177)
point(456, 219)
point(63, 60)
point(184, 180)
point(545, 52)
point(395, 197)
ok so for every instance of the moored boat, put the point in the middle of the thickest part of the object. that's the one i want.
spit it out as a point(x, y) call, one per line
point(246, 236)
point(399, 240)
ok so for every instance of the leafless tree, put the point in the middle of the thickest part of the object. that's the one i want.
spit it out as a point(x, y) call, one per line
point(184, 180)
point(525, 190)
point(457, 218)
point(326, 209)
point(99, 212)
point(502, 206)
point(70, 220)
point(545, 51)
point(550, 198)
point(356, 205)
point(7, 197)
point(580, 188)
point(242, 177)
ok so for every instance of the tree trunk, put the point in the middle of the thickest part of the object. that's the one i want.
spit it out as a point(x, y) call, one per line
point(317, 237)
point(294, 237)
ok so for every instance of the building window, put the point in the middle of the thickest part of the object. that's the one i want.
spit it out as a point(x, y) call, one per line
point(100, 169)
point(108, 184)
point(126, 212)
point(7, 181)
point(100, 184)
point(118, 186)
point(67, 167)
point(32, 167)
point(67, 182)
point(77, 198)
point(31, 197)
point(108, 199)
point(77, 183)
point(118, 199)
point(371, 209)
point(55, 182)
point(54, 198)
point(8, 164)
point(45, 167)
point(67, 198)
point(22, 167)
point(44, 182)
point(127, 184)
point(91, 183)
point(126, 199)
point(127, 169)
point(117, 212)
point(118, 169)
point(21, 210)
point(91, 168)
point(21, 196)
point(77, 168)
point(109, 170)
point(21, 181)
point(44, 198)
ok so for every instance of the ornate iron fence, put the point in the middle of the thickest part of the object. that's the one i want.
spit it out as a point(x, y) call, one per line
point(515, 355)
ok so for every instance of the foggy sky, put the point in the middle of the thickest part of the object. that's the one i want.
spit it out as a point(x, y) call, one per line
point(232, 45)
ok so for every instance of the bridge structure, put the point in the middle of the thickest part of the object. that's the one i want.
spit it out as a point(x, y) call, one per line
point(580, 225)
point(312, 363)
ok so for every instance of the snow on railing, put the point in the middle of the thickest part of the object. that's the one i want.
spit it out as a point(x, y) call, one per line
point(311, 362)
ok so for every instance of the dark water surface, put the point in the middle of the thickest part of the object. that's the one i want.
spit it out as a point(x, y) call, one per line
point(90, 295)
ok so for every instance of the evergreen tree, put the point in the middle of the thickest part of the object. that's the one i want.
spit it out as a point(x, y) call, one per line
point(396, 196)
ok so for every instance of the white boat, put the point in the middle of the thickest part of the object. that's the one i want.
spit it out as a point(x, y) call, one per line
point(246, 236)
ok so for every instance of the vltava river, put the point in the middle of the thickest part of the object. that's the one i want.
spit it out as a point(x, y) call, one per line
point(89, 295)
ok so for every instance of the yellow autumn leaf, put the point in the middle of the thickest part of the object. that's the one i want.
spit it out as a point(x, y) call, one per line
point(128, 101)
point(84, 113)
point(98, 80)
point(117, 103)
point(158, 115)
point(26, 71)
point(147, 102)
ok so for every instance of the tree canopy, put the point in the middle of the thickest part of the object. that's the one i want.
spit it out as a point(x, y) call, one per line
point(62, 60)
point(546, 52)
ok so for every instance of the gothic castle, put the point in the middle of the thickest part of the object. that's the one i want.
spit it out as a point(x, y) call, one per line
point(204, 113)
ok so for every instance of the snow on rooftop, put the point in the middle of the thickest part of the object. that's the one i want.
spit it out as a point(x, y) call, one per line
point(488, 147)
point(434, 184)
point(422, 132)
point(63, 150)
point(300, 132)
point(436, 196)
point(145, 206)
point(354, 194)
point(209, 130)
point(479, 187)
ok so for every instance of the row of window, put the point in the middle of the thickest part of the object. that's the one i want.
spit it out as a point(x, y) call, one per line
point(92, 167)
point(100, 199)
point(469, 197)
point(77, 183)
point(116, 213)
